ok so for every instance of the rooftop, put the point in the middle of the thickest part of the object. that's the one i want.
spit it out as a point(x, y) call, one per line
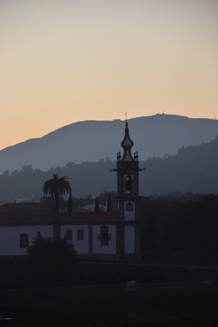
point(37, 215)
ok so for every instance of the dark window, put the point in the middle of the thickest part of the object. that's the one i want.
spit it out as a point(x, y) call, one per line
point(68, 235)
point(80, 235)
point(104, 236)
point(24, 241)
point(129, 206)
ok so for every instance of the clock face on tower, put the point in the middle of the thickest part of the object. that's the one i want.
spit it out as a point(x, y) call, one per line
point(129, 206)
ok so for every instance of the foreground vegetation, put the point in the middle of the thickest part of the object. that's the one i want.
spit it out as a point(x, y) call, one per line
point(180, 229)
point(51, 287)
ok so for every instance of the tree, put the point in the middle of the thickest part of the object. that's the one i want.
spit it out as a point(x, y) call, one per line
point(57, 187)
point(96, 209)
point(51, 261)
point(109, 203)
point(70, 203)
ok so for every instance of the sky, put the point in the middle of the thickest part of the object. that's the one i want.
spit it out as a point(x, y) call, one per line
point(63, 61)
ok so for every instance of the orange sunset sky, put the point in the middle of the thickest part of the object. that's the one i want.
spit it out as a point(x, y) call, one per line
point(62, 61)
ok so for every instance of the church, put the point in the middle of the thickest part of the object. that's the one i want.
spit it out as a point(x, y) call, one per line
point(96, 236)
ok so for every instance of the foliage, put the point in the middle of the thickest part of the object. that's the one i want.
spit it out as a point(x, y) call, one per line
point(51, 260)
point(56, 187)
point(181, 229)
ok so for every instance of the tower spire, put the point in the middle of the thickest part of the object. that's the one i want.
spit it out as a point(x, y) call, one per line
point(127, 143)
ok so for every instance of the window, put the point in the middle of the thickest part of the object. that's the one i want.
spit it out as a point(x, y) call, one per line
point(24, 241)
point(104, 235)
point(68, 235)
point(80, 235)
point(129, 206)
point(128, 184)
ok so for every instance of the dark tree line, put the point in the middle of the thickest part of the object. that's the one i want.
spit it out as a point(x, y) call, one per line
point(194, 169)
point(86, 179)
point(180, 229)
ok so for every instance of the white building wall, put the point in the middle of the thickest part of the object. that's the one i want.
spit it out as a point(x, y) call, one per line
point(98, 248)
point(129, 239)
point(81, 246)
point(10, 237)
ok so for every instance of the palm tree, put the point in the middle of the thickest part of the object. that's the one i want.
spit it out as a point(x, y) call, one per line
point(56, 187)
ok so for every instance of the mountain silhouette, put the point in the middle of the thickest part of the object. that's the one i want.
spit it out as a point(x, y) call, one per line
point(90, 141)
point(193, 169)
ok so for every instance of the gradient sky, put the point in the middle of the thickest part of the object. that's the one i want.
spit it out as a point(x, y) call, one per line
point(65, 60)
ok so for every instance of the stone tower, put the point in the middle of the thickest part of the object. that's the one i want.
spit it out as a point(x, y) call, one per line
point(128, 198)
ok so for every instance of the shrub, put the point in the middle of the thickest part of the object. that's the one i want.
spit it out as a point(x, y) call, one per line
point(50, 261)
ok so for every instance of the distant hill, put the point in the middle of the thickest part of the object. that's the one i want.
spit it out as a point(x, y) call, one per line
point(94, 140)
point(193, 169)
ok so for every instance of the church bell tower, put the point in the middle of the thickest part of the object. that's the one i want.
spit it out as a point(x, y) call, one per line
point(128, 198)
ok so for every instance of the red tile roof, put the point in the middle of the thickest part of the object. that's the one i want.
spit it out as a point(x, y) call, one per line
point(37, 216)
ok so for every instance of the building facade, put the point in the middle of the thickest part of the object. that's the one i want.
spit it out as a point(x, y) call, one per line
point(113, 235)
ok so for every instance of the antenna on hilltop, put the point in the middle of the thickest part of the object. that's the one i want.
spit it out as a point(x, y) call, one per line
point(126, 119)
